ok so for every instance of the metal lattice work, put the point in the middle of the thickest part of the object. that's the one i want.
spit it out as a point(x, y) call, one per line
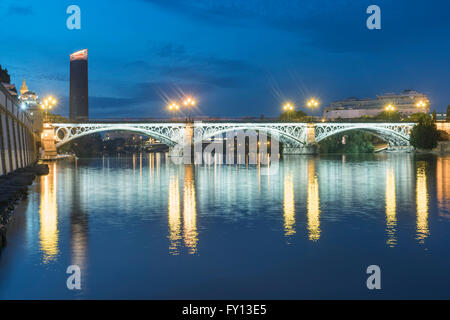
point(168, 133)
point(395, 133)
point(292, 133)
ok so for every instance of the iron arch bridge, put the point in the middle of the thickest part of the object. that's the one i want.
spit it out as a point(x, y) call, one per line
point(168, 133)
point(396, 134)
point(295, 135)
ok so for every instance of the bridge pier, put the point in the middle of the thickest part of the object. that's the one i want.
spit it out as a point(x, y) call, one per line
point(310, 146)
point(48, 141)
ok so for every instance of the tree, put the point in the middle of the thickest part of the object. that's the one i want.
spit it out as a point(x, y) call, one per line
point(448, 113)
point(389, 116)
point(355, 142)
point(424, 135)
point(416, 117)
point(433, 116)
point(293, 115)
point(4, 75)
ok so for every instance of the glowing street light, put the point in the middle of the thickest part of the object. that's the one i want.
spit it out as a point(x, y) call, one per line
point(288, 108)
point(189, 102)
point(421, 104)
point(312, 103)
point(173, 107)
point(48, 104)
point(390, 107)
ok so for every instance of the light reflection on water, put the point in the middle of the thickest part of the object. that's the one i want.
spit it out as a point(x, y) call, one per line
point(140, 217)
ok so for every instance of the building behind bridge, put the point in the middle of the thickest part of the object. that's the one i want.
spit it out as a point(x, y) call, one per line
point(79, 105)
point(407, 103)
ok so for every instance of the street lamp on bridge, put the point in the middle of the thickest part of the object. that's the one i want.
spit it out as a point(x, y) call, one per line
point(173, 108)
point(288, 108)
point(312, 103)
point(189, 102)
point(48, 104)
point(389, 108)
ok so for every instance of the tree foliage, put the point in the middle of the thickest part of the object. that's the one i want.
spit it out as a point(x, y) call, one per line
point(424, 135)
point(293, 116)
point(389, 116)
point(355, 142)
point(4, 75)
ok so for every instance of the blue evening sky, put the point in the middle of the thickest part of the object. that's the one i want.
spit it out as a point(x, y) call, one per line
point(239, 58)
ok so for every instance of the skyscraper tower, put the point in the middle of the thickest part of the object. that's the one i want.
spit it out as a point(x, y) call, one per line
point(79, 106)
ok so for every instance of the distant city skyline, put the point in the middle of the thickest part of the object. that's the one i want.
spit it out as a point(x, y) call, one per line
point(237, 58)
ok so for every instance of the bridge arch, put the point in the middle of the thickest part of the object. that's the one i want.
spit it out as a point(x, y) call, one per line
point(394, 133)
point(170, 134)
point(293, 134)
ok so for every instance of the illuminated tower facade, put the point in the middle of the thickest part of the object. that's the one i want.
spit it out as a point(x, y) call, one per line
point(79, 106)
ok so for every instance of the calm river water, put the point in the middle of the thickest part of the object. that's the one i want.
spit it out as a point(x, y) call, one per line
point(142, 227)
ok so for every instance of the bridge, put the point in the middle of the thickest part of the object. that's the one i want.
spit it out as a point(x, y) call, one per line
point(296, 137)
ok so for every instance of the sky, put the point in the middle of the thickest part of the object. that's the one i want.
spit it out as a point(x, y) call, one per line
point(237, 58)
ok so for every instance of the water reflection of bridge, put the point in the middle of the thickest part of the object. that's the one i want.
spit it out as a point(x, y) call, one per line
point(299, 197)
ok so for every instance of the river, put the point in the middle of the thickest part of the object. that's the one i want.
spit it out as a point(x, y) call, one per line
point(142, 227)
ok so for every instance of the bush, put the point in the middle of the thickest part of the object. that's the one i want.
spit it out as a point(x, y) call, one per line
point(424, 135)
point(389, 116)
point(443, 136)
point(293, 116)
point(356, 142)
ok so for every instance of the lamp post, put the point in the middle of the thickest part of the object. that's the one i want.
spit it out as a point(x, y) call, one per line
point(48, 104)
point(421, 104)
point(288, 108)
point(173, 108)
point(312, 103)
point(189, 102)
point(389, 108)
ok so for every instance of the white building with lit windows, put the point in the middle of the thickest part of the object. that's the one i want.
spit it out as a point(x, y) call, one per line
point(407, 103)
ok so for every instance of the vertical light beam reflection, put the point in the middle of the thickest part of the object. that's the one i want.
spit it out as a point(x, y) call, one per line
point(443, 185)
point(313, 208)
point(289, 205)
point(174, 214)
point(391, 208)
point(422, 202)
point(48, 216)
point(189, 210)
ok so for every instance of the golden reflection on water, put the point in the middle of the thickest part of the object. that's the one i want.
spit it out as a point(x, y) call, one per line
point(313, 208)
point(422, 202)
point(48, 215)
point(443, 185)
point(190, 210)
point(391, 208)
point(174, 214)
point(289, 205)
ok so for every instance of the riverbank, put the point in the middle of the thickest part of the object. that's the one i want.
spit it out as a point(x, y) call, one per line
point(13, 188)
point(443, 148)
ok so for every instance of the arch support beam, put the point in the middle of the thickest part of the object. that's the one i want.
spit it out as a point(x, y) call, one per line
point(396, 134)
point(169, 133)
